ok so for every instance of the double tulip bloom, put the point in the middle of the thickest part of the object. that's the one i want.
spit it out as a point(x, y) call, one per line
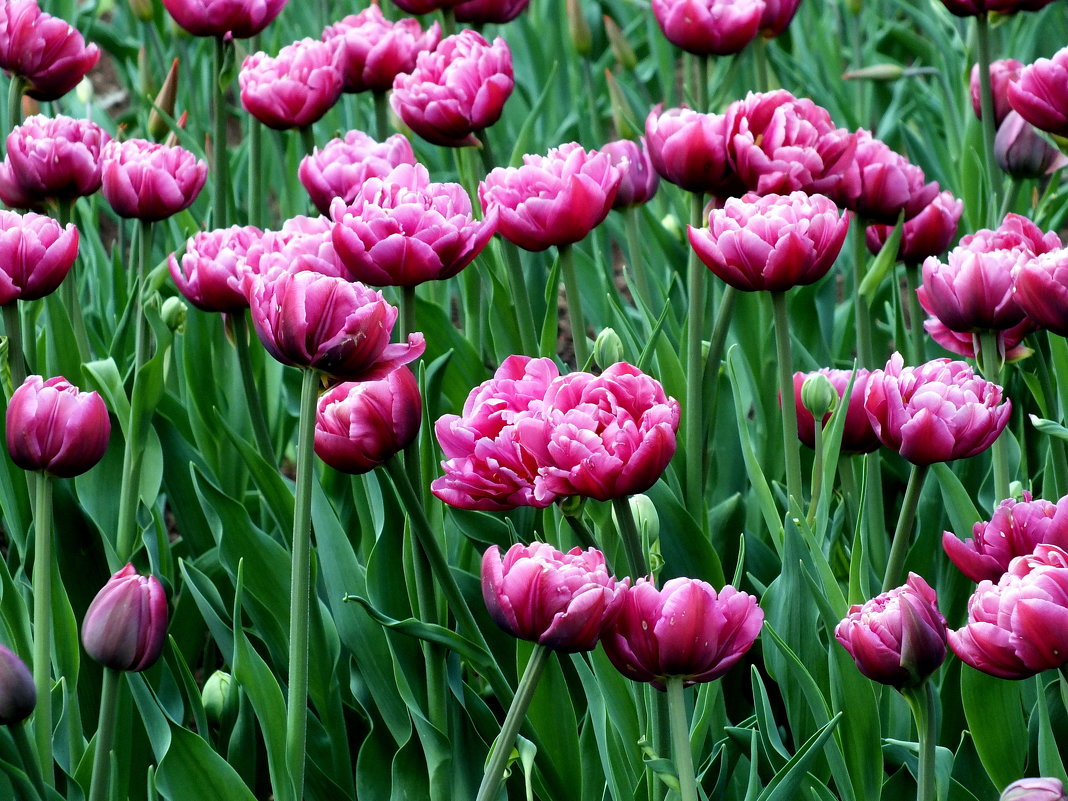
point(36, 253)
point(342, 167)
point(51, 159)
point(709, 27)
point(150, 181)
point(638, 180)
point(973, 8)
point(689, 149)
point(1037, 789)
point(1038, 94)
point(240, 19)
point(888, 185)
point(45, 51)
point(294, 88)
point(372, 51)
point(209, 273)
point(936, 412)
point(1002, 73)
point(125, 626)
point(857, 434)
point(301, 240)
point(929, 233)
point(1040, 287)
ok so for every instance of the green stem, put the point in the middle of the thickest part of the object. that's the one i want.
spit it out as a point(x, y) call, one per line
point(632, 541)
point(574, 306)
point(632, 225)
point(381, 102)
point(105, 735)
point(1056, 444)
point(817, 472)
point(680, 737)
point(848, 480)
point(407, 312)
point(28, 758)
point(260, 430)
point(693, 413)
point(300, 598)
point(14, 101)
point(760, 55)
point(502, 746)
point(917, 341)
point(861, 313)
point(42, 621)
point(895, 564)
point(581, 530)
point(256, 199)
point(990, 356)
point(71, 296)
point(696, 78)
point(921, 701)
point(471, 277)
point(307, 139)
point(1009, 200)
point(986, 106)
point(220, 162)
point(790, 442)
point(15, 355)
point(517, 280)
point(710, 379)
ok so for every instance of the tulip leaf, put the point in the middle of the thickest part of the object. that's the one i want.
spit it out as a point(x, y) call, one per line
point(190, 769)
point(785, 784)
point(1049, 753)
point(993, 708)
point(1049, 427)
point(883, 263)
point(550, 325)
point(277, 494)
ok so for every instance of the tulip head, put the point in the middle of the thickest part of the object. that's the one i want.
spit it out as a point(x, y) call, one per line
point(150, 181)
point(18, 695)
point(126, 624)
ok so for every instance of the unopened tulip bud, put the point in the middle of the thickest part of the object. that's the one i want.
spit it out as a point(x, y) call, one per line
point(579, 28)
point(1037, 789)
point(876, 72)
point(126, 624)
point(220, 699)
point(621, 111)
point(607, 348)
point(818, 395)
point(158, 127)
point(646, 517)
point(621, 48)
point(143, 9)
point(174, 313)
point(18, 696)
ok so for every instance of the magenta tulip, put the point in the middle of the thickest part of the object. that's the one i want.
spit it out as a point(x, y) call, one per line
point(209, 274)
point(1040, 286)
point(343, 165)
point(303, 240)
point(1002, 73)
point(689, 149)
point(424, 6)
point(973, 8)
point(36, 253)
point(372, 51)
point(709, 27)
point(18, 695)
point(455, 91)
point(897, 638)
point(929, 233)
point(778, 14)
point(51, 159)
point(150, 181)
point(639, 181)
point(1019, 626)
point(1022, 152)
point(240, 19)
point(936, 412)
point(294, 88)
point(52, 426)
point(482, 12)
point(556, 199)
point(1038, 94)
point(1038, 789)
point(889, 185)
point(125, 626)
point(361, 424)
point(685, 630)
point(45, 51)
point(563, 601)
point(857, 434)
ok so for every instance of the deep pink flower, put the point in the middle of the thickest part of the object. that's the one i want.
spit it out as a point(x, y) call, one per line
point(238, 18)
point(1021, 152)
point(929, 233)
point(402, 230)
point(373, 51)
point(150, 181)
point(973, 8)
point(1019, 626)
point(49, 54)
point(556, 199)
point(897, 638)
point(1015, 231)
point(563, 601)
point(51, 159)
point(310, 320)
point(303, 240)
point(857, 434)
point(209, 275)
point(18, 695)
point(936, 412)
point(1037, 789)
point(1040, 286)
point(709, 27)
point(481, 12)
point(1015, 528)
point(773, 242)
point(602, 437)
point(361, 424)
point(53, 427)
point(689, 149)
point(419, 7)
point(125, 626)
point(36, 253)
point(685, 630)
point(639, 180)
point(777, 16)
point(889, 184)
point(456, 90)
point(343, 165)
point(294, 88)
point(1002, 73)
point(1009, 342)
point(1038, 95)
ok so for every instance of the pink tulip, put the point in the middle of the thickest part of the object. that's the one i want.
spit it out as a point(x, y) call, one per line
point(240, 19)
point(43, 50)
point(303, 240)
point(689, 149)
point(1034, 790)
point(1019, 626)
point(685, 630)
point(936, 412)
point(709, 27)
point(481, 12)
point(1040, 286)
point(889, 184)
point(361, 424)
point(310, 320)
point(455, 91)
point(294, 88)
point(639, 180)
point(52, 159)
point(1009, 342)
point(771, 243)
point(53, 427)
point(897, 638)
point(209, 275)
point(1015, 232)
point(402, 230)
point(556, 199)
point(150, 181)
point(929, 233)
point(973, 8)
point(1002, 73)
point(1021, 152)
point(125, 626)
point(777, 16)
point(36, 253)
point(343, 165)
point(18, 695)
point(1038, 95)
point(419, 7)
point(373, 51)
point(563, 601)
point(1015, 528)
point(857, 435)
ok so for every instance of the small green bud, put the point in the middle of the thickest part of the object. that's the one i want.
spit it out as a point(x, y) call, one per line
point(621, 48)
point(818, 395)
point(876, 72)
point(673, 226)
point(579, 28)
point(173, 314)
point(607, 348)
point(220, 699)
point(646, 517)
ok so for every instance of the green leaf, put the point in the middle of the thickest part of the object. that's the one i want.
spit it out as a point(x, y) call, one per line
point(190, 769)
point(784, 785)
point(883, 263)
point(994, 710)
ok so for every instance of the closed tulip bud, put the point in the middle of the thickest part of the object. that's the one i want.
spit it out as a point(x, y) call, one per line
point(481, 12)
point(857, 435)
point(18, 696)
point(150, 181)
point(36, 254)
point(1021, 152)
point(563, 601)
point(621, 48)
point(1034, 790)
point(52, 426)
point(126, 624)
point(221, 700)
point(607, 348)
point(876, 72)
point(174, 313)
point(158, 127)
point(240, 19)
point(818, 395)
point(144, 10)
point(646, 518)
point(640, 181)
point(579, 28)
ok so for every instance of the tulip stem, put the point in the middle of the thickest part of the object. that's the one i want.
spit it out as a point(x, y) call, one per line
point(42, 620)
point(502, 746)
point(256, 199)
point(916, 315)
point(260, 430)
point(710, 376)
point(986, 106)
point(1056, 444)
point(791, 444)
point(632, 225)
point(105, 734)
point(990, 356)
point(29, 758)
point(632, 541)
point(307, 139)
point(16, 359)
point(300, 596)
point(220, 165)
point(574, 306)
point(921, 701)
point(581, 530)
point(895, 565)
point(817, 472)
point(680, 737)
point(407, 312)
point(693, 414)
point(861, 312)
point(71, 296)
point(381, 102)
point(14, 101)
